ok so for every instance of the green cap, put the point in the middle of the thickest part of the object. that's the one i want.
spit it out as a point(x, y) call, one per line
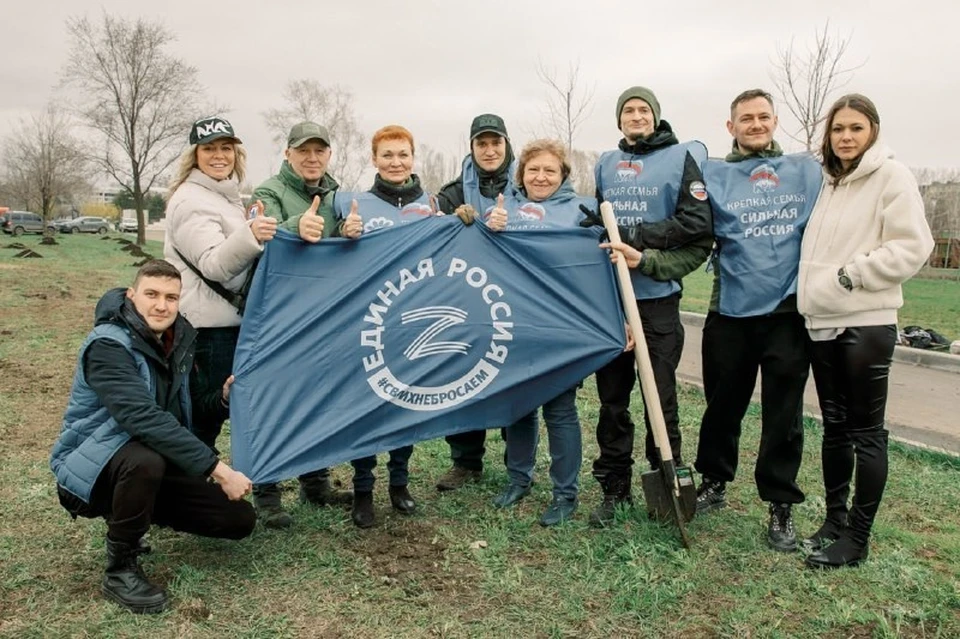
point(644, 94)
point(488, 123)
point(306, 131)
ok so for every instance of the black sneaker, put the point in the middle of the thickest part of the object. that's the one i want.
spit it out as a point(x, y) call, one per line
point(711, 495)
point(780, 533)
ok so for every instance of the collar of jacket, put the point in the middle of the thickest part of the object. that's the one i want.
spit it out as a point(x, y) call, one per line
point(394, 194)
point(772, 151)
point(870, 161)
point(229, 188)
point(661, 138)
point(289, 177)
point(114, 307)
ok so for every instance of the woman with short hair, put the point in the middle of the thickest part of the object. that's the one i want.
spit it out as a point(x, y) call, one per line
point(866, 236)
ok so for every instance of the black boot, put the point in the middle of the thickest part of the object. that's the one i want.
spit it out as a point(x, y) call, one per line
point(780, 533)
point(838, 465)
point(362, 514)
point(850, 548)
point(125, 583)
point(711, 495)
point(266, 499)
point(316, 489)
point(616, 493)
point(402, 501)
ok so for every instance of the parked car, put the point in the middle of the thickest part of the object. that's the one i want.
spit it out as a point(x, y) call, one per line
point(20, 222)
point(127, 225)
point(86, 224)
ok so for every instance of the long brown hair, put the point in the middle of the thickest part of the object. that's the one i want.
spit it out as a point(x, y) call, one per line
point(862, 104)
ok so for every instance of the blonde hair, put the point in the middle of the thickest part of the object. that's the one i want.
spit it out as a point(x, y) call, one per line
point(536, 147)
point(188, 162)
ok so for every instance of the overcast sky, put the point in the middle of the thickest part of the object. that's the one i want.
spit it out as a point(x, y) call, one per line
point(432, 65)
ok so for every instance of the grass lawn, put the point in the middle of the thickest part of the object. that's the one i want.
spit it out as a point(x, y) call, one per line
point(419, 576)
point(930, 303)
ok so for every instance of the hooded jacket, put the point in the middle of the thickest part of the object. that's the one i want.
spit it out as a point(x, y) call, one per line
point(474, 183)
point(127, 385)
point(286, 196)
point(206, 223)
point(872, 224)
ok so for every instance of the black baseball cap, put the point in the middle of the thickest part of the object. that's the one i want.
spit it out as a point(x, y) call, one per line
point(488, 123)
point(209, 129)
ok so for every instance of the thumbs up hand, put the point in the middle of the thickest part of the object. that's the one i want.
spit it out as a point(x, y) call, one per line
point(310, 226)
point(353, 224)
point(263, 228)
point(497, 220)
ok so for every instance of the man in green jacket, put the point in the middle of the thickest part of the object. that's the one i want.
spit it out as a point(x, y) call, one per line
point(300, 197)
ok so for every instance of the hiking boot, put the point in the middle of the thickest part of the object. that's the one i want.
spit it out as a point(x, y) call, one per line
point(559, 511)
point(780, 533)
point(712, 495)
point(125, 583)
point(402, 501)
point(266, 499)
point(317, 489)
point(511, 495)
point(362, 513)
point(616, 494)
point(457, 477)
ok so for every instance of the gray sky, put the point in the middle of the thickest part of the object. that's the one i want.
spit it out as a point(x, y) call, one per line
point(428, 66)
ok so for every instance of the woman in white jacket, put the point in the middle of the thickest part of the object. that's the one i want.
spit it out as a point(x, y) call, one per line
point(208, 232)
point(866, 236)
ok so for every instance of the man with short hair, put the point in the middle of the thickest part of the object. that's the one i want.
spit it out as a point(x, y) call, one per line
point(656, 189)
point(126, 451)
point(486, 173)
point(761, 202)
point(300, 197)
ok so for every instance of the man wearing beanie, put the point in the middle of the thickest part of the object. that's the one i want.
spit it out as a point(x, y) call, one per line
point(288, 197)
point(656, 188)
point(486, 173)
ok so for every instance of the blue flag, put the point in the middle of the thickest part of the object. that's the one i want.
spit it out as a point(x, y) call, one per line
point(354, 347)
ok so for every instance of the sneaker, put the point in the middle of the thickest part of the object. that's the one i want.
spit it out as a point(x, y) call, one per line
point(559, 511)
point(457, 477)
point(780, 533)
point(712, 495)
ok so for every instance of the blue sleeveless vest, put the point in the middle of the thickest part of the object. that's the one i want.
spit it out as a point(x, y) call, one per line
point(90, 437)
point(645, 188)
point(471, 186)
point(560, 210)
point(760, 208)
point(378, 214)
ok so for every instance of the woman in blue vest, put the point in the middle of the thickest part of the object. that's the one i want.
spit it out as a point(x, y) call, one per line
point(544, 199)
point(395, 198)
point(866, 236)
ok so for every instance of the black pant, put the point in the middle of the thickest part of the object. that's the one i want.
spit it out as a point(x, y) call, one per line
point(615, 381)
point(734, 349)
point(397, 468)
point(852, 372)
point(213, 364)
point(138, 487)
point(467, 449)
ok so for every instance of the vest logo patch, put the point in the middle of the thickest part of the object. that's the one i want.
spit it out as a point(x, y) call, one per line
point(416, 208)
point(764, 179)
point(698, 190)
point(531, 212)
point(629, 170)
point(376, 223)
point(465, 368)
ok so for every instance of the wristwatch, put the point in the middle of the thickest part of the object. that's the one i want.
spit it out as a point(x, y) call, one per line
point(844, 279)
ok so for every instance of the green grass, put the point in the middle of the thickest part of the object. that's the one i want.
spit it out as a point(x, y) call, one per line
point(930, 303)
point(419, 577)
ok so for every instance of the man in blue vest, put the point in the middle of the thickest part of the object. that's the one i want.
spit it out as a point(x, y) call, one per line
point(486, 173)
point(656, 188)
point(126, 452)
point(761, 202)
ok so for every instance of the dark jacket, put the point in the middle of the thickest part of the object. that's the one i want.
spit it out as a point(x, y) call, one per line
point(128, 386)
point(286, 196)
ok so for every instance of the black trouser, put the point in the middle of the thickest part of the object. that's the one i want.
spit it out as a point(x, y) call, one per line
point(213, 364)
point(852, 372)
point(467, 449)
point(734, 349)
point(397, 468)
point(138, 487)
point(615, 381)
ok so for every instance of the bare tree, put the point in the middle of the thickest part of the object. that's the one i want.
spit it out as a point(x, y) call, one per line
point(581, 171)
point(332, 107)
point(806, 80)
point(136, 96)
point(44, 164)
point(435, 168)
point(568, 103)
